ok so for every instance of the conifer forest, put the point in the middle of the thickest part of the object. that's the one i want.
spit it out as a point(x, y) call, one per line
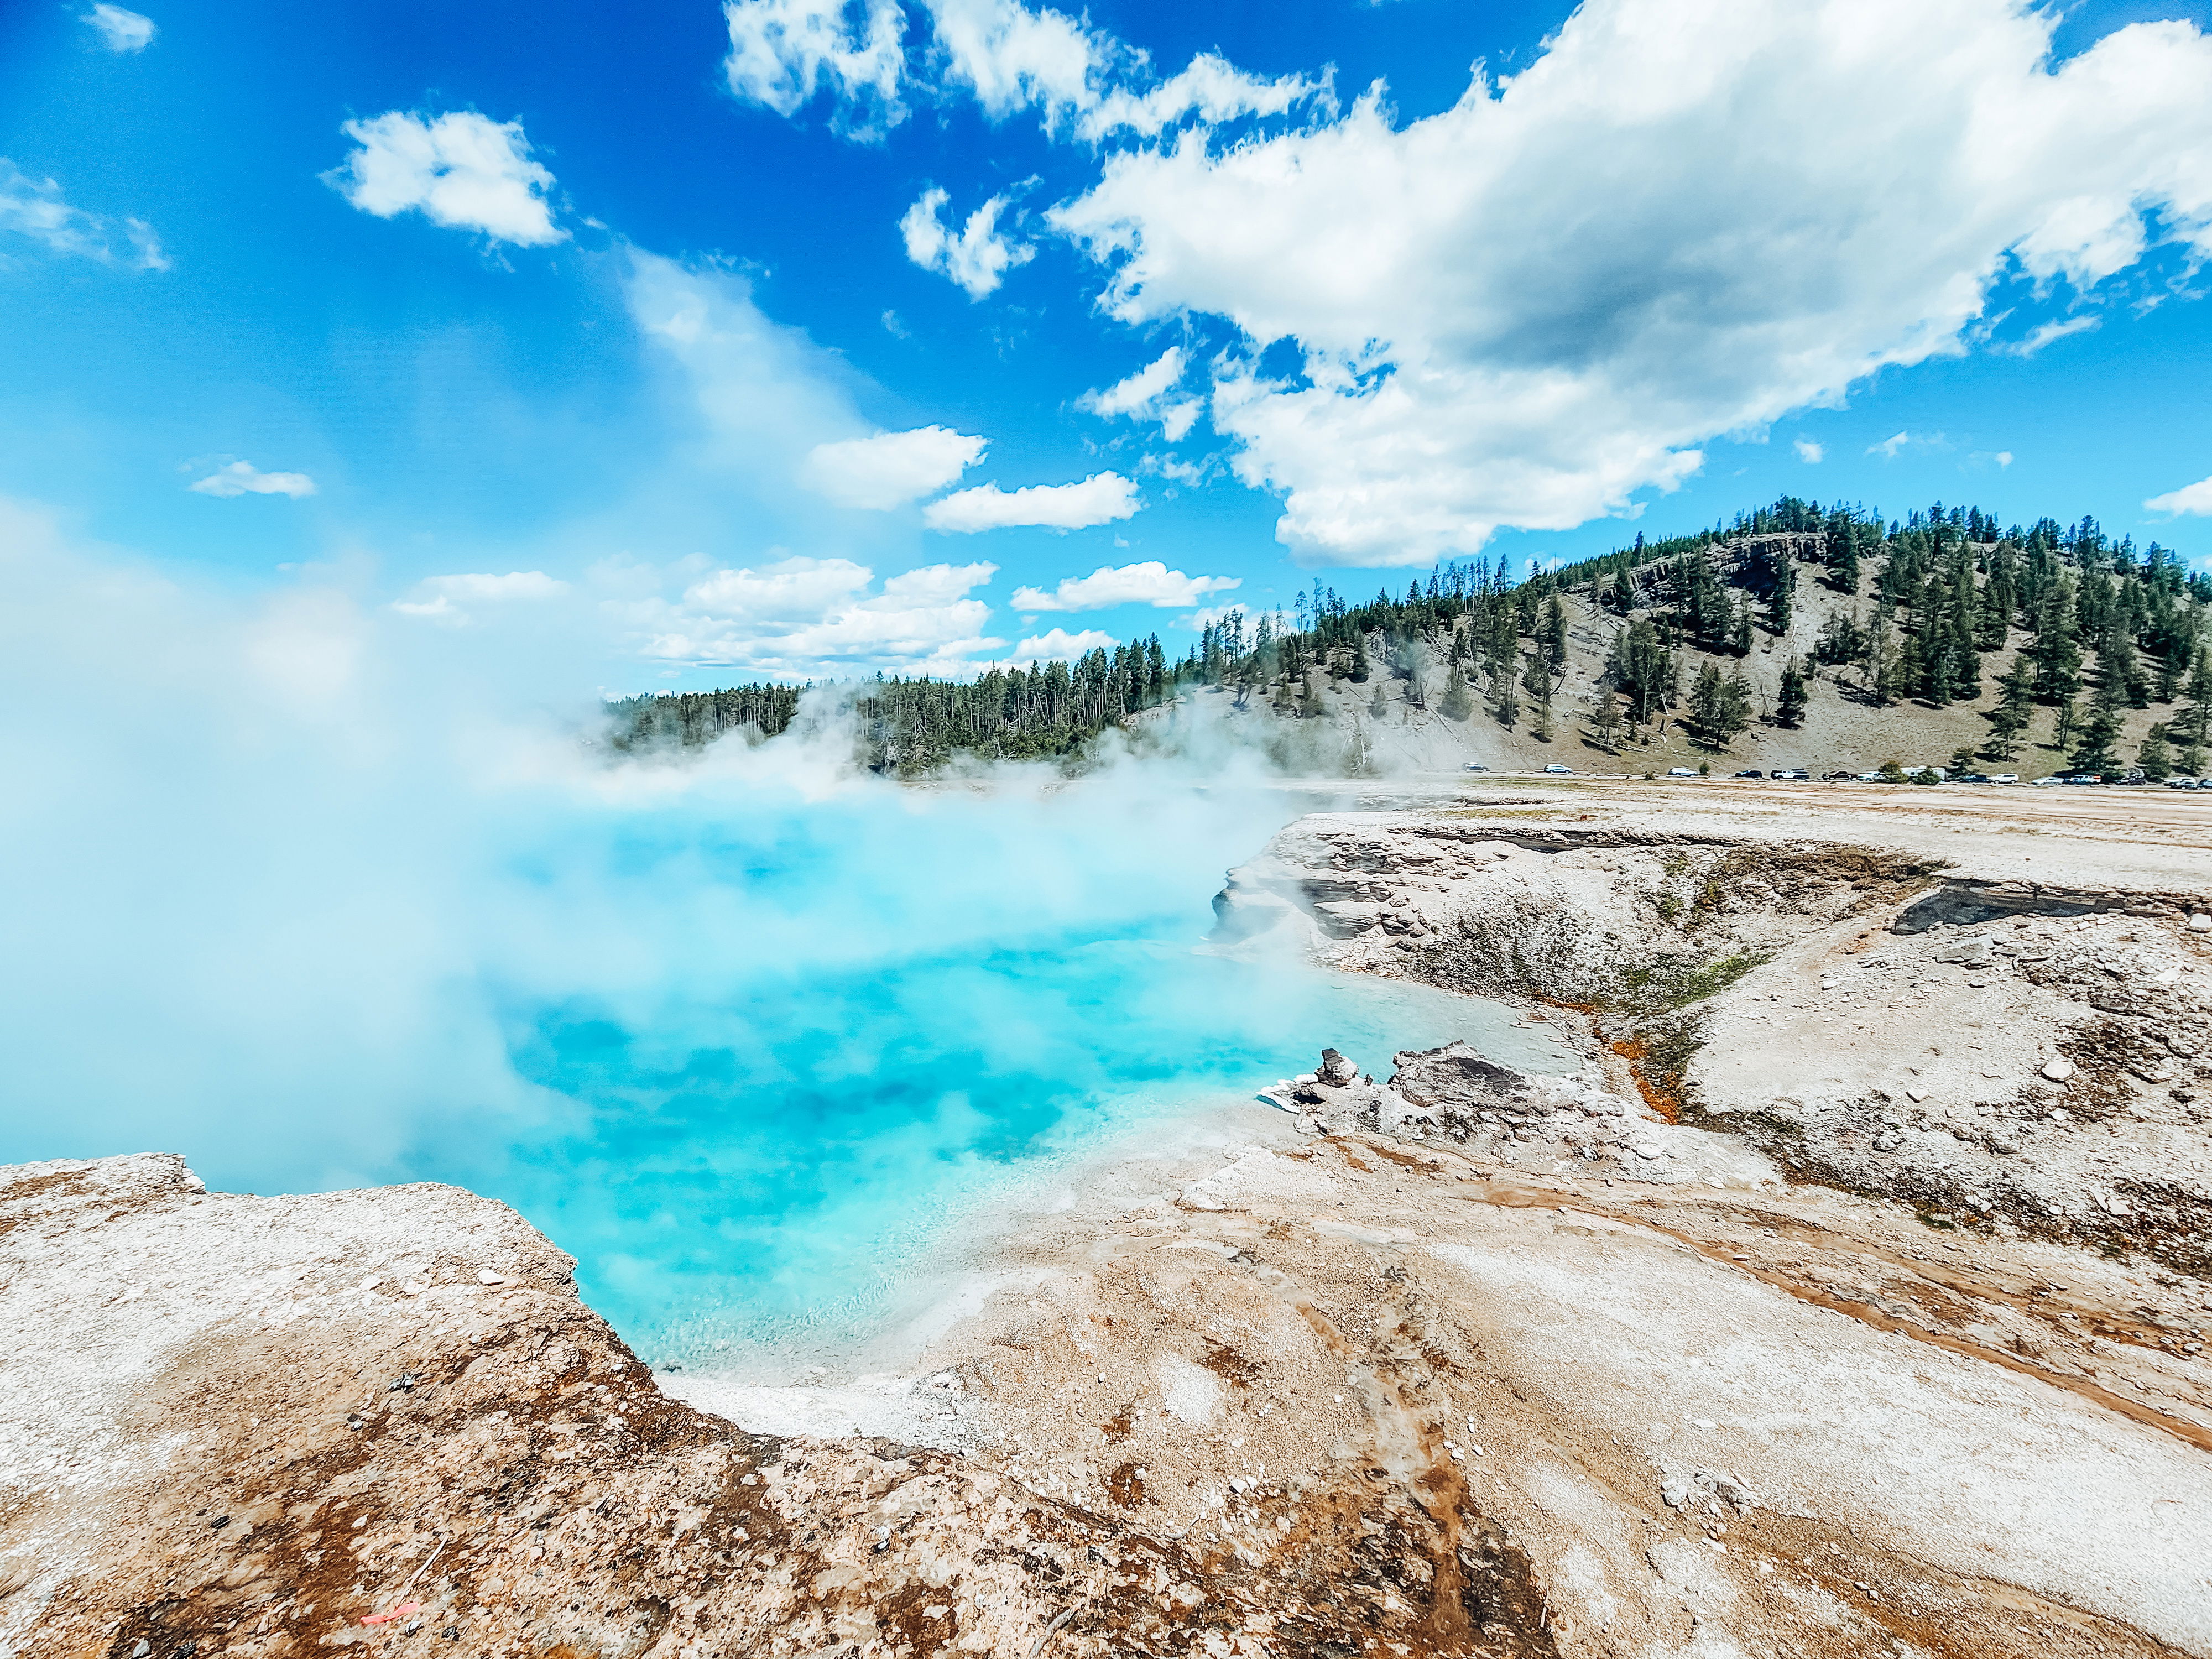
point(2048, 622)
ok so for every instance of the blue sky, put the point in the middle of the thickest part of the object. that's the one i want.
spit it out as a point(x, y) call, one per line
point(643, 333)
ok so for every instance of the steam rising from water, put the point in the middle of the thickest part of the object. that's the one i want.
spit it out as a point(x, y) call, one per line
point(319, 904)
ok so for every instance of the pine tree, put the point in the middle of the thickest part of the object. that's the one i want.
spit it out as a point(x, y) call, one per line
point(1719, 708)
point(2097, 751)
point(1504, 696)
point(2016, 705)
point(1457, 704)
point(2154, 757)
point(1790, 706)
point(1605, 722)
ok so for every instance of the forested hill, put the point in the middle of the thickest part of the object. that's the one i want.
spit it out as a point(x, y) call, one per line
point(1944, 629)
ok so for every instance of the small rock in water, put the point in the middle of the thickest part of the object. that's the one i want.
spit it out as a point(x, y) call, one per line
point(2058, 1069)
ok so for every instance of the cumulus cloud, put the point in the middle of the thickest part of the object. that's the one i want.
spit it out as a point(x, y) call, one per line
point(978, 257)
point(1530, 308)
point(1009, 57)
point(890, 469)
point(1889, 448)
point(2194, 499)
point(1150, 394)
point(1099, 499)
point(34, 208)
point(1212, 89)
point(1808, 451)
point(121, 31)
point(1005, 55)
point(244, 478)
point(1061, 646)
point(460, 169)
point(447, 598)
point(806, 616)
point(782, 52)
point(1150, 583)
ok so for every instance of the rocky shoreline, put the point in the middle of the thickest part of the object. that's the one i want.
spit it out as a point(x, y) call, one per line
point(1899, 1351)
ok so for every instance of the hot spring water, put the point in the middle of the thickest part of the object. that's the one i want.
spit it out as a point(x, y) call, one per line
point(752, 1040)
point(771, 1167)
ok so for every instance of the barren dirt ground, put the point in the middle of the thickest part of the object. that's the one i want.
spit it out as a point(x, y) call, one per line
point(1828, 1309)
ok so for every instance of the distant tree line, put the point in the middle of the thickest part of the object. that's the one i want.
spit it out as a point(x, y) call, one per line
point(2101, 629)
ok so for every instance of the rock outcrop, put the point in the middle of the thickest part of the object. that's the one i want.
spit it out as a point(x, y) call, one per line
point(1994, 1051)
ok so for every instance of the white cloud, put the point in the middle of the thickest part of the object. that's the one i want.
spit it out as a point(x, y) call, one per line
point(2043, 333)
point(1212, 89)
point(2003, 457)
point(243, 478)
point(2194, 499)
point(1807, 451)
point(445, 598)
point(1199, 621)
point(977, 259)
point(34, 207)
point(890, 469)
point(782, 52)
point(1010, 56)
point(1530, 308)
point(1059, 645)
point(121, 31)
point(1149, 395)
point(817, 617)
point(1099, 499)
point(1889, 447)
point(1150, 583)
point(769, 394)
point(1005, 55)
point(461, 170)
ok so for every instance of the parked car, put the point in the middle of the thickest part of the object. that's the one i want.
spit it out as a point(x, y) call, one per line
point(1871, 777)
point(2045, 783)
point(2004, 777)
point(2181, 783)
point(1560, 771)
point(1681, 771)
point(1476, 766)
point(1793, 775)
point(1839, 777)
point(1975, 777)
point(1752, 772)
point(2083, 778)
